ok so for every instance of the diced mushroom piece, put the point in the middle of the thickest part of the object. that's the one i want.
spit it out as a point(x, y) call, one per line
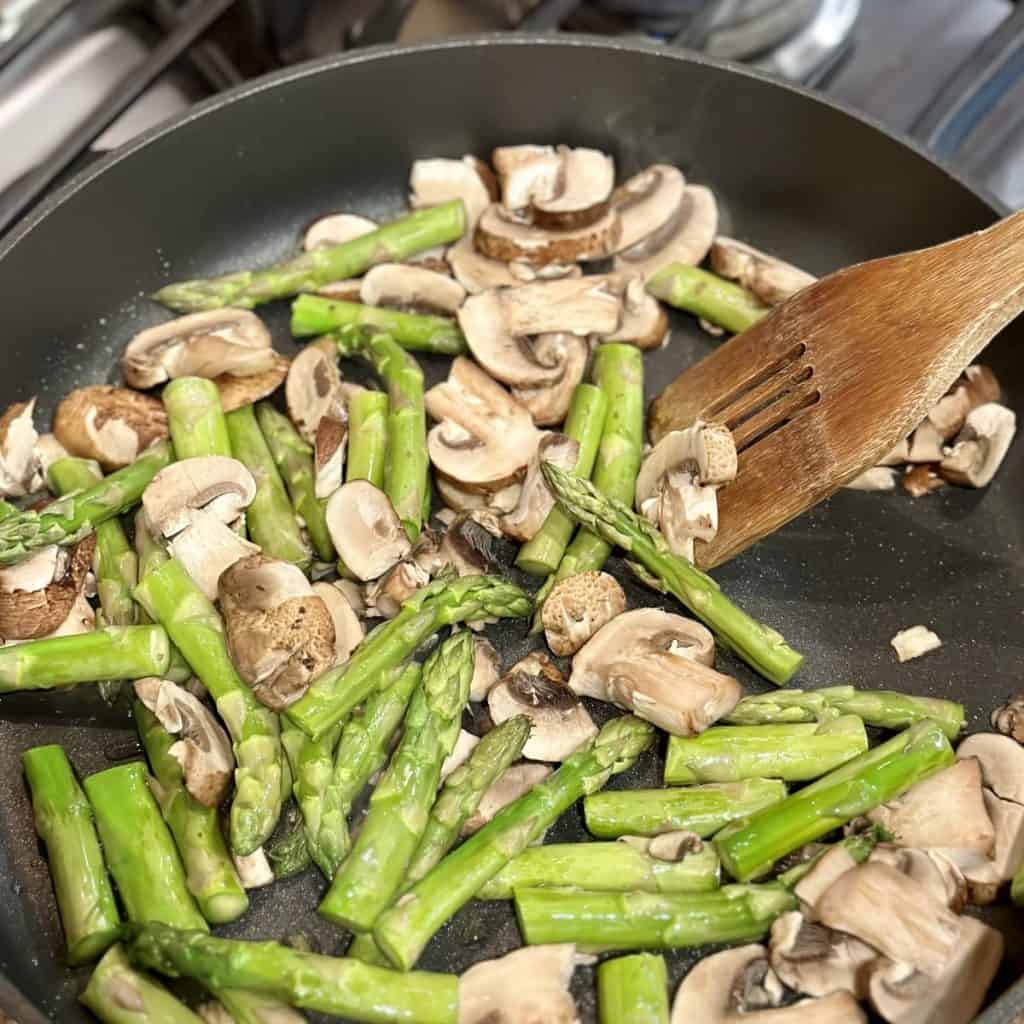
point(976, 386)
point(386, 595)
point(336, 229)
point(942, 879)
point(716, 992)
point(466, 546)
point(313, 388)
point(231, 341)
point(1008, 718)
point(238, 391)
point(329, 453)
point(510, 785)
point(501, 236)
point(671, 847)
point(685, 238)
point(534, 687)
point(548, 404)
point(460, 753)
point(905, 996)
point(206, 547)
point(280, 633)
point(439, 180)
point(772, 280)
point(914, 641)
point(527, 985)
point(646, 202)
point(644, 320)
point(202, 749)
point(814, 960)
point(254, 870)
point(19, 464)
point(217, 484)
point(527, 173)
point(535, 500)
point(367, 533)
point(1008, 822)
point(1001, 761)
point(578, 607)
point(893, 913)
point(486, 669)
point(414, 288)
point(877, 478)
point(981, 446)
point(899, 454)
point(582, 193)
point(348, 630)
point(809, 890)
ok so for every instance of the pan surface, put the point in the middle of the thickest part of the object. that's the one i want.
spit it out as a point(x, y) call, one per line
point(233, 184)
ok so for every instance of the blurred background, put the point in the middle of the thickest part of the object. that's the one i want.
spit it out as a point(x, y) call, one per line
point(78, 77)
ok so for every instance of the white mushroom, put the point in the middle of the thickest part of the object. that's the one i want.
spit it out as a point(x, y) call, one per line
point(981, 446)
point(409, 287)
point(348, 630)
point(476, 272)
point(527, 173)
point(484, 506)
point(646, 202)
point(578, 607)
point(313, 388)
point(19, 464)
point(336, 229)
point(772, 280)
point(202, 749)
point(1001, 760)
point(535, 500)
point(501, 236)
point(877, 478)
point(548, 403)
point(980, 876)
point(254, 870)
point(219, 485)
point(206, 547)
point(815, 960)
point(528, 273)
point(942, 879)
point(583, 190)
point(1007, 818)
point(464, 746)
point(826, 869)
point(644, 320)
point(367, 533)
point(48, 450)
point(385, 596)
point(486, 669)
point(439, 180)
point(329, 445)
point(914, 641)
point(510, 785)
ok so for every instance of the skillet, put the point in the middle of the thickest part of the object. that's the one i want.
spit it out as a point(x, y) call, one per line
point(234, 181)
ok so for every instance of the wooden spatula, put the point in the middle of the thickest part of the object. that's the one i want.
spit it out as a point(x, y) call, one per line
point(826, 384)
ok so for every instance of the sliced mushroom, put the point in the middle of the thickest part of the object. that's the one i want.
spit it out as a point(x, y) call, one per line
point(110, 425)
point(353, 593)
point(313, 388)
point(336, 229)
point(254, 870)
point(466, 546)
point(329, 453)
point(500, 236)
point(1008, 718)
point(898, 455)
point(644, 320)
point(48, 450)
point(221, 486)
point(646, 202)
point(877, 478)
point(919, 481)
point(815, 960)
point(367, 533)
point(548, 404)
point(1008, 821)
point(976, 869)
point(491, 506)
point(826, 869)
point(942, 879)
point(981, 446)
point(671, 847)
point(238, 391)
point(486, 669)
point(535, 500)
point(440, 180)
point(772, 280)
point(977, 386)
point(583, 190)
point(19, 463)
point(1001, 761)
point(348, 630)
point(280, 633)
point(914, 641)
point(527, 173)
point(202, 749)
point(81, 619)
point(206, 547)
point(228, 341)
point(510, 785)
point(534, 687)
point(464, 746)
point(478, 273)
point(528, 273)
point(414, 288)
point(386, 595)
point(578, 607)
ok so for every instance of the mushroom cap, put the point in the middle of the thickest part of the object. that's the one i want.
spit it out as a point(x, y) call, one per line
point(409, 287)
point(18, 459)
point(548, 404)
point(348, 630)
point(644, 320)
point(220, 485)
point(108, 424)
point(81, 619)
point(815, 960)
point(500, 237)
point(535, 500)
point(238, 391)
point(203, 749)
point(583, 192)
point(510, 785)
point(772, 280)
point(981, 446)
point(534, 687)
point(366, 531)
point(439, 180)
point(486, 669)
point(647, 201)
point(335, 229)
point(206, 547)
point(706, 450)
point(466, 546)
point(1001, 760)
point(578, 607)
point(313, 388)
point(329, 447)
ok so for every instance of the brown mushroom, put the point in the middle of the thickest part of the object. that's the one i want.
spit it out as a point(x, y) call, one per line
point(418, 289)
point(500, 236)
point(583, 191)
point(981, 446)
point(217, 484)
point(486, 669)
point(578, 607)
point(206, 547)
point(367, 533)
point(19, 463)
point(510, 785)
point(491, 505)
point(646, 202)
point(108, 424)
point(527, 173)
point(772, 280)
point(313, 388)
point(329, 453)
point(386, 595)
point(535, 500)
point(238, 391)
point(348, 630)
point(476, 272)
point(548, 403)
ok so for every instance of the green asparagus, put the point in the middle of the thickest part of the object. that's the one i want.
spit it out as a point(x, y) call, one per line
point(761, 647)
point(403, 930)
point(196, 419)
point(543, 553)
point(338, 987)
point(749, 847)
point(139, 849)
point(270, 519)
point(64, 822)
point(858, 846)
point(633, 990)
point(368, 438)
point(73, 517)
point(708, 296)
point(171, 597)
point(289, 855)
point(441, 603)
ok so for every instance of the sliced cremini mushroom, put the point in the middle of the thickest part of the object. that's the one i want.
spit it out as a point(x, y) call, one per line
point(500, 236)
point(219, 341)
point(19, 464)
point(476, 272)
point(1008, 718)
point(583, 191)
point(510, 785)
point(527, 173)
point(981, 446)
point(578, 607)
point(772, 280)
point(367, 533)
point(48, 450)
point(81, 619)
point(644, 320)
point(108, 424)
point(280, 633)
point(466, 546)
point(815, 960)
point(977, 870)
point(491, 505)
point(548, 404)
point(220, 485)
point(646, 202)
point(1001, 761)
point(975, 387)
point(313, 388)
point(386, 595)
point(486, 669)
point(409, 287)
point(238, 391)
point(529, 273)
point(464, 745)
point(348, 630)
point(206, 547)
point(534, 687)
point(335, 229)
point(202, 749)
point(329, 446)
point(440, 180)
point(834, 862)
point(535, 500)
point(940, 877)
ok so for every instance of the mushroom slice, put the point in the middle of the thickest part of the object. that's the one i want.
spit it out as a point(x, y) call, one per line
point(714, 992)
point(48, 450)
point(583, 192)
point(1008, 718)
point(580, 305)
point(280, 633)
point(528, 174)
point(914, 641)
point(644, 320)
point(899, 454)
point(486, 669)
point(826, 869)
point(491, 504)
point(202, 749)
point(18, 461)
point(348, 630)
point(893, 913)
point(981, 446)
point(943, 879)
point(647, 202)
point(464, 746)
point(1008, 821)
point(466, 546)
point(386, 596)
point(706, 450)
point(353, 593)
point(877, 478)
point(529, 984)
point(510, 785)
point(409, 287)
point(367, 533)
point(439, 180)
point(548, 404)
point(221, 486)
point(815, 960)
point(528, 273)
point(313, 388)
point(500, 237)
point(535, 500)
point(206, 547)
point(476, 272)
point(641, 630)
point(1001, 761)
point(977, 870)
point(772, 280)
point(336, 229)
point(578, 607)
point(108, 424)
point(329, 453)
point(206, 344)
point(534, 687)
point(238, 391)
point(905, 996)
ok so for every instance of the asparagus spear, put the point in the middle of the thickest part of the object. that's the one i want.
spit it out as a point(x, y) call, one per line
point(64, 822)
point(372, 874)
point(794, 753)
point(633, 990)
point(543, 553)
point(196, 419)
point(255, 1008)
point(701, 809)
point(403, 930)
point(139, 850)
point(340, 987)
point(761, 647)
point(614, 867)
point(209, 871)
point(708, 296)
point(884, 709)
point(73, 517)
point(441, 603)
point(119, 994)
point(1017, 888)
point(289, 855)
point(858, 846)
point(294, 461)
point(368, 438)
point(271, 522)
point(171, 597)
point(115, 652)
point(313, 315)
point(598, 921)
point(749, 847)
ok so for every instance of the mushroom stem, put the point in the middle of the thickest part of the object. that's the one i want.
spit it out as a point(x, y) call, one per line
point(708, 296)
point(542, 554)
point(597, 921)
point(391, 243)
point(64, 822)
point(633, 990)
point(749, 848)
point(195, 418)
point(368, 438)
point(209, 871)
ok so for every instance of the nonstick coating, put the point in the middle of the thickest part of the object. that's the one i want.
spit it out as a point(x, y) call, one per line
point(235, 182)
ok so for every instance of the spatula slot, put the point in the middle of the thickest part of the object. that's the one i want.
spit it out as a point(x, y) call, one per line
point(757, 384)
point(782, 411)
